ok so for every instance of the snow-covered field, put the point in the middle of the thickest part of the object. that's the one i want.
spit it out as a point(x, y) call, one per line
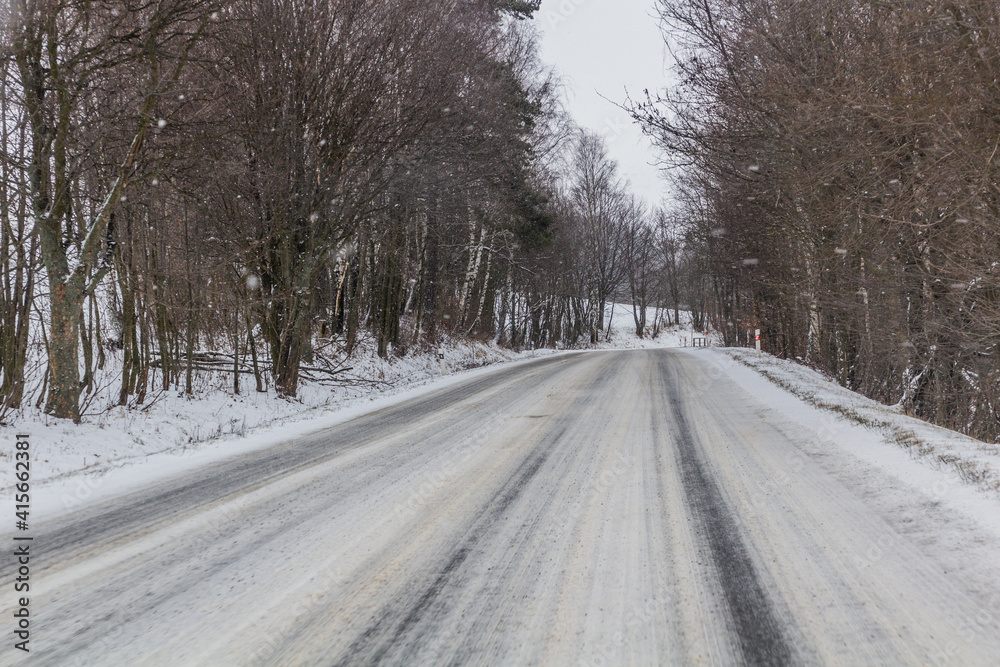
point(173, 432)
point(622, 331)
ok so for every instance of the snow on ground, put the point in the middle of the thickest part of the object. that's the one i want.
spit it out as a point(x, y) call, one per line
point(173, 427)
point(78, 486)
point(123, 447)
point(944, 466)
point(341, 560)
point(118, 448)
point(623, 337)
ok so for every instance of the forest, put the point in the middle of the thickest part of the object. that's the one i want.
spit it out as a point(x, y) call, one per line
point(838, 176)
point(253, 185)
point(257, 185)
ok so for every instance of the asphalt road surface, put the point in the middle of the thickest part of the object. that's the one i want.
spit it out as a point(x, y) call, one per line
point(608, 508)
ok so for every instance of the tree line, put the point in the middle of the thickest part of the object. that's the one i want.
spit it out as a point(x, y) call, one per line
point(258, 185)
point(838, 175)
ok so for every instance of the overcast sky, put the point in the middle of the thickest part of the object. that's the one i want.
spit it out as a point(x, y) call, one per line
point(603, 48)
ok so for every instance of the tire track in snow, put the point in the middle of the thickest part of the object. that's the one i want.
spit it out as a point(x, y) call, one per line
point(90, 530)
point(395, 627)
point(397, 633)
point(602, 511)
point(757, 628)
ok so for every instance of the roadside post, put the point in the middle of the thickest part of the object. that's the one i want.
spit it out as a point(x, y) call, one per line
point(757, 337)
point(444, 371)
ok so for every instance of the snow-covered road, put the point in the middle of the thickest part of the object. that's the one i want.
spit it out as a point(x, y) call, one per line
point(604, 508)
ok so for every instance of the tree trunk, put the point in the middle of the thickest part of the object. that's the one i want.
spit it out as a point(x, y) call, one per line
point(64, 363)
point(252, 344)
point(354, 301)
point(291, 349)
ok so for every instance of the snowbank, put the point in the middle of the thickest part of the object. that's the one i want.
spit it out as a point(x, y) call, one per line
point(172, 423)
point(973, 461)
point(945, 466)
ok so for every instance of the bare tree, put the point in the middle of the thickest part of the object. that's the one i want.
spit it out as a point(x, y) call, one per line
point(603, 209)
point(18, 247)
point(67, 53)
point(841, 176)
point(641, 264)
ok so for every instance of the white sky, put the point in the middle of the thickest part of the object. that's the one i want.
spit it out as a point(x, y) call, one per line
point(603, 48)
